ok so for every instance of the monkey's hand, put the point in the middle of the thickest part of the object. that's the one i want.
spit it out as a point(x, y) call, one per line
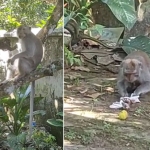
point(142, 89)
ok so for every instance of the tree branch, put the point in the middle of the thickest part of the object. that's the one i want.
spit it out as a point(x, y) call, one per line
point(52, 22)
point(49, 70)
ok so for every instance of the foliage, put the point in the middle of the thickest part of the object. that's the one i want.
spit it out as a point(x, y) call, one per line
point(85, 136)
point(123, 10)
point(43, 140)
point(17, 142)
point(79, 11)
point(29, 12)
point(70, 58)
point(56, 122)
point(3, 140)
point(13, 111)
point(40, 140)
point(139, 42)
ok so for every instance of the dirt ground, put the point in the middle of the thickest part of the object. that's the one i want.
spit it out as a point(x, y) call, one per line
point(89, 122)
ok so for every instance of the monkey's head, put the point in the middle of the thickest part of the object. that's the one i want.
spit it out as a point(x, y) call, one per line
point(131, 69)
point(22, 31)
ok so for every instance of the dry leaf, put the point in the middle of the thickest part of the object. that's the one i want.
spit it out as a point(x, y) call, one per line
point(90, 53)
point(105, 60)
point(94, 95)
point(84, 91)
point(81, 68)
point(110, 89)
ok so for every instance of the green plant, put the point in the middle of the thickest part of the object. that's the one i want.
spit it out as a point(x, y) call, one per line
point(78, 11)
point(17, 142)
point(56, 122)
point(87, 136)
point(70, 58)
point(3, 139)
point(56, 125)
point(30, 12)
point(125, 9)
point(43, 140)
point(14, 112)
point(71, 135)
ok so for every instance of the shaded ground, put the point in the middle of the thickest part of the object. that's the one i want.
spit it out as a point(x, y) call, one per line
point(89, 122)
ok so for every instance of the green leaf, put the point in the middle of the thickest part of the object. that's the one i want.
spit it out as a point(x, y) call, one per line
point(95, 30)
point(124, 10)
point(9, 102)
point(16, 142)
point(60, 114)
point(78, 61)
point(55, 122)
point(66, 19)
point(139, 43)
point(112, 34)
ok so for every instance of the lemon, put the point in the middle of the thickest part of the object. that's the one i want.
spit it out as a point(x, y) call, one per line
point(123, 115)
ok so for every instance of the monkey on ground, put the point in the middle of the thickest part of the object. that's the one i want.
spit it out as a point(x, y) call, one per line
point(134, 74)
point(30, 57)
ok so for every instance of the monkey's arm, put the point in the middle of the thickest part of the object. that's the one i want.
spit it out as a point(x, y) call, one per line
point(122, 84)
point(19, 55)
point(122, 89)
point(143, 88)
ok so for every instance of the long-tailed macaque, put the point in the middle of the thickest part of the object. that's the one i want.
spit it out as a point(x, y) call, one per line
point(134, 74)
point(26, 61)
point(30, 57)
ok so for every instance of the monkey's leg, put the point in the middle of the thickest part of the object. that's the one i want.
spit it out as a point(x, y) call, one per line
point(25, 66)
point(19, 55)
point(142, 89)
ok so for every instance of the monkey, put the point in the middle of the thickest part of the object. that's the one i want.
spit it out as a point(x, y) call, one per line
point(134, 74)
point(26, 61)
point(21, 64)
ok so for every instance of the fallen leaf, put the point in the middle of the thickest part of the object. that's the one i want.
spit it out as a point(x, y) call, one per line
point(105, 60)
point(94, 95)
point(110, 89)
point(81, 68)
point(90, 53)
point(84, 91)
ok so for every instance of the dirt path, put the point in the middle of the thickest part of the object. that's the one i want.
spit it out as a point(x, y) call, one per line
point(89, 122)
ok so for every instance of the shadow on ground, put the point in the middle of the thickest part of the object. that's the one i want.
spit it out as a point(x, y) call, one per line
point(89, 122)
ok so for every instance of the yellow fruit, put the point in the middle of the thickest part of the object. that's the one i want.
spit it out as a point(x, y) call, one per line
point(123, 115)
